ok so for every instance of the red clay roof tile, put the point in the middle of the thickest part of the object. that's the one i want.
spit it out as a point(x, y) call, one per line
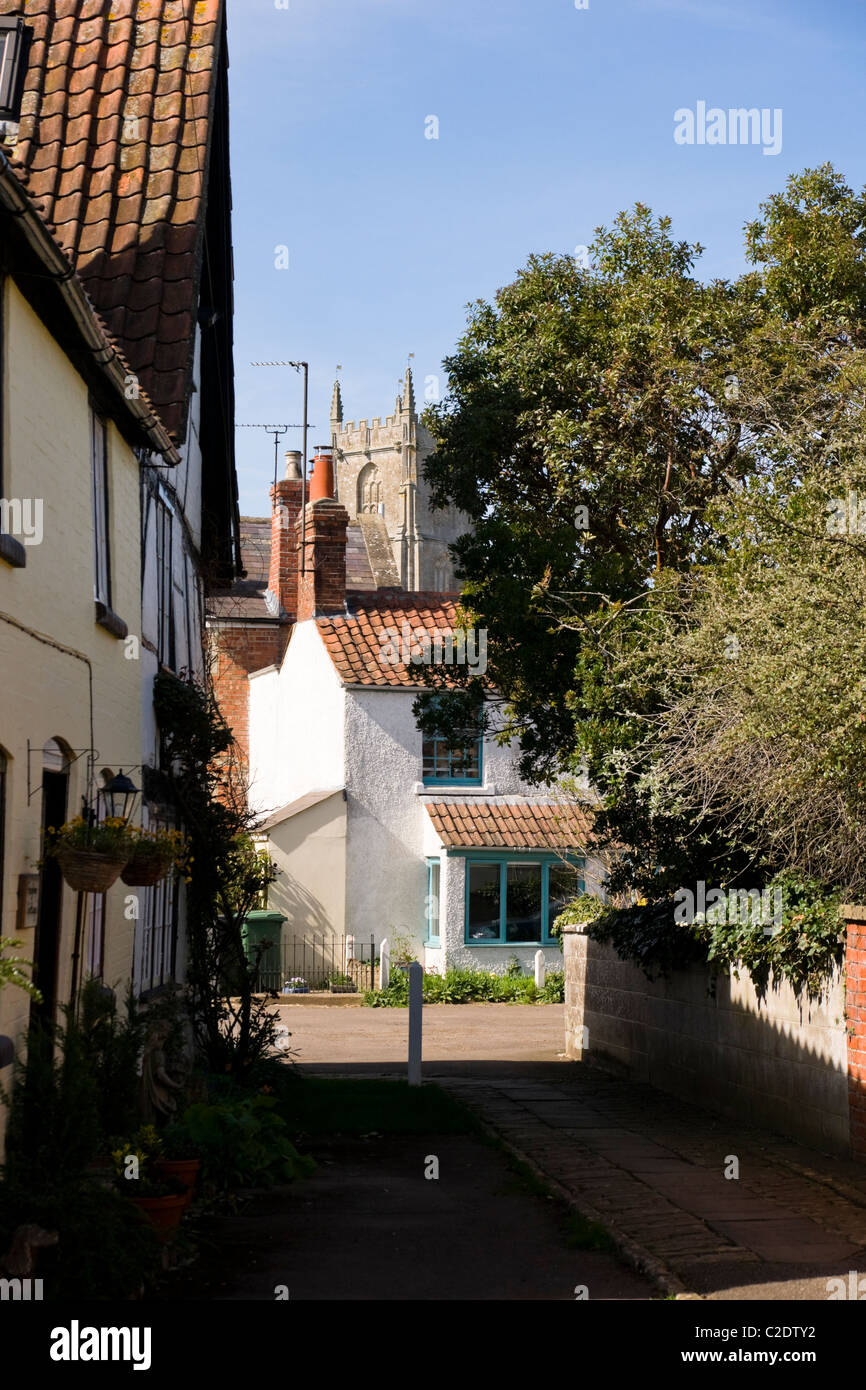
point(510, 825)
point(358, 640)
point(113, 142)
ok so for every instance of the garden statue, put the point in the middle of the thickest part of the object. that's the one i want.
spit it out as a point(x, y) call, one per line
point(157, 1100)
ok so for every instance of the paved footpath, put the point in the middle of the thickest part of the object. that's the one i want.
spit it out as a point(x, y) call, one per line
point(651, 1168)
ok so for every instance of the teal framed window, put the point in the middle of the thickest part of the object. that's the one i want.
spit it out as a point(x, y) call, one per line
point(513, 899)
point(431, 905)
point(450, 761)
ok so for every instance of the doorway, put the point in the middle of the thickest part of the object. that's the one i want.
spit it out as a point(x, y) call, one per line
point(55, 794)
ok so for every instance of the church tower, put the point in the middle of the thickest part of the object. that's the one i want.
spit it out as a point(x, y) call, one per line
point(379, 476)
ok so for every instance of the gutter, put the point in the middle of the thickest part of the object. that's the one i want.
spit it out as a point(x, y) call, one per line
point(15, 200)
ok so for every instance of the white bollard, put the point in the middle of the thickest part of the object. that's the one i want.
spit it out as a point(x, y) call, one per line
point(416, 1004)
point(539, 969)
point(384, 964)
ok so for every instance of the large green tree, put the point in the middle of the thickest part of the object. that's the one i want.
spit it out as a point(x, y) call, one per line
point(651, 400)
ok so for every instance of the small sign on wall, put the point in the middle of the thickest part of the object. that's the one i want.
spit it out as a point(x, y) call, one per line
point(28, 901)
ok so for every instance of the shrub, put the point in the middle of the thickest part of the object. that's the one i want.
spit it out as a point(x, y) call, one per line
point(243, 1143)
point(460, 987)
point(106, 1249)
point(553, 989)
point(54, 1128)
point(804, 951)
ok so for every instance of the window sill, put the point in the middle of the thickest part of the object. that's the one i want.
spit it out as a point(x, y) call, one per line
point(12, 552)
point(108, 619)
point(512, 945)
point(436, 788)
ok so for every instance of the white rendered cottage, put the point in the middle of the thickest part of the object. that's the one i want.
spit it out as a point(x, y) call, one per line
point(378, 830)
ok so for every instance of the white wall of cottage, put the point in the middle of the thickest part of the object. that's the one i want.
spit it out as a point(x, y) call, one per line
point(297, 724)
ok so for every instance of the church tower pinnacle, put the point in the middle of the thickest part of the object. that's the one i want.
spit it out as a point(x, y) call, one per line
point(408, 401)
point(336, 409)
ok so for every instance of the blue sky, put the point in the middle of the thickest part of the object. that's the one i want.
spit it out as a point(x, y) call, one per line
point(551, 120)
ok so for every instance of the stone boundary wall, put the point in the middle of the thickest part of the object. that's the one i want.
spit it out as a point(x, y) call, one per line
point(780, 1064)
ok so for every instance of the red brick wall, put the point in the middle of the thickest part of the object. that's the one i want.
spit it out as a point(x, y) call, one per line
point(855, 1017)
point(322, 588)
point(237, 652)
point(283, 576)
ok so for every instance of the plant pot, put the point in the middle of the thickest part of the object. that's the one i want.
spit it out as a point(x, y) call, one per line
point(182, 1170)
point(297, 989)
point(145, 870)
point(88, 871)
point(163, 1213)
point(342, 989)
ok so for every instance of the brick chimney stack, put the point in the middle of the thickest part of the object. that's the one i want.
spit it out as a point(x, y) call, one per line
point(322, 585)
point(287, 496)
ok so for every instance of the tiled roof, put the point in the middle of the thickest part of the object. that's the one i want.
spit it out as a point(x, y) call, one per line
point(509, 825)
point(355, 642)
point(113, 143)
point(246, 597)
point(107, 355)
point(359, 571)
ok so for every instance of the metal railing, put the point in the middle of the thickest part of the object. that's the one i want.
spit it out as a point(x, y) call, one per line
point(317, 962)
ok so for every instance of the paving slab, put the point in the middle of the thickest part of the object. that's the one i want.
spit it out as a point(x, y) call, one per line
point(650, 1165)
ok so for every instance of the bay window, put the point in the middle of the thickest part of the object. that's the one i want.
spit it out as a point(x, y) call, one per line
point(514, 899)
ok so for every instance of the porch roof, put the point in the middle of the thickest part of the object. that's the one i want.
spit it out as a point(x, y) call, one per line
point(515, 824)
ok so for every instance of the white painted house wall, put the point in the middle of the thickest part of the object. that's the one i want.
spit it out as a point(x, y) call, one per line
point(388, 826)
point(297, 724)
point(309, 732)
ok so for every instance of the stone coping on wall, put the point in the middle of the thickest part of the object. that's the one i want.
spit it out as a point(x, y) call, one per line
point(853, 912)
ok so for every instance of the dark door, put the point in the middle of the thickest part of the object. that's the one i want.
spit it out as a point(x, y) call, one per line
point(55, 787)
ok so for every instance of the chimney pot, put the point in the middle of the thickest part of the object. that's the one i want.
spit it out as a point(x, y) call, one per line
point(293, 463)
point(322, 481)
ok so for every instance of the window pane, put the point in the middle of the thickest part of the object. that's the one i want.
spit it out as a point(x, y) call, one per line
point(472, 766)
point(455, 759)
point(523, 902)
point(428, 757)
point(433, 900)
point(483, 902)
point(100, 509)
point(564, 885)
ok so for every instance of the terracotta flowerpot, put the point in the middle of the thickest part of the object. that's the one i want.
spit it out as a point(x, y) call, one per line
point(163, 1213)
point(184, 1170)
point(144, 870)
point(89, 871)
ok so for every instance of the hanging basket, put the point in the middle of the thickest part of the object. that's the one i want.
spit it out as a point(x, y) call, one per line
point(145, 868)
point(88, 871)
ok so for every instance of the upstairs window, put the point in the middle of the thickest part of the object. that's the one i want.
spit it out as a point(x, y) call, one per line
point(99, 470)
point(15, 38)
point(165, 581)
point(453, 758)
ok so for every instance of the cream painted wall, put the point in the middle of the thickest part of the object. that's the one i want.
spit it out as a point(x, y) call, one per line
point(309, 850)
point(44, 692)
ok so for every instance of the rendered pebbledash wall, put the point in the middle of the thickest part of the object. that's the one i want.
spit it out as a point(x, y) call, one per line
point(780, 1064)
